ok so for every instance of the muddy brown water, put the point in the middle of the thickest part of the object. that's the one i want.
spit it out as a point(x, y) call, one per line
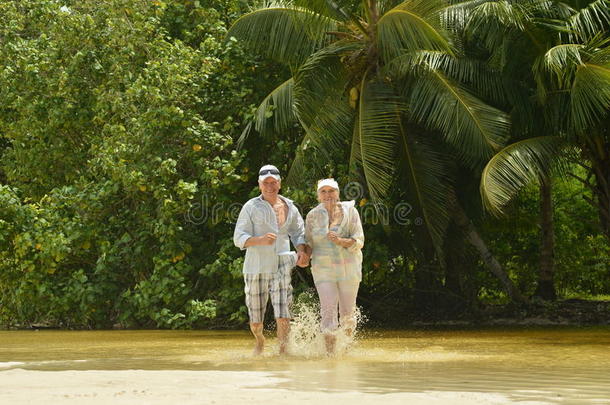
point(550, 365)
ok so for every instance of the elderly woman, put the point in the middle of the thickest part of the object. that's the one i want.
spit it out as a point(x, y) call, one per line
point(334, 236)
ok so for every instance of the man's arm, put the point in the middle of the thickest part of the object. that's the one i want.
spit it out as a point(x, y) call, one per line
point(297, 236)
point(266, 239)
point(244, 228)
point(296, 230)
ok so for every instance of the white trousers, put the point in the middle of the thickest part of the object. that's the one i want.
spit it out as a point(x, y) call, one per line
point(339, 295)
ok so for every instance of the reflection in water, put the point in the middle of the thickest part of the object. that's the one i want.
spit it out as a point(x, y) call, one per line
point(562, 366)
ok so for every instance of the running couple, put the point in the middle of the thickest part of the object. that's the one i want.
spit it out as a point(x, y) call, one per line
point(332, 237)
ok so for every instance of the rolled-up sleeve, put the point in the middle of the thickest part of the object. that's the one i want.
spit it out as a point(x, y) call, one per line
point(244, 228)
point(309, 229)
point(297, 229)
point(355, 230)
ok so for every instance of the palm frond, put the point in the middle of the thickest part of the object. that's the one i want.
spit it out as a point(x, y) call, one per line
point(410, 26)
point(309, 156)
point(332, 127)
point(355, 156)
point(505, 13)
point(378, 119)
point(341, 10)
point(476, 74)
point(476, 129)
point(590, 93)
point(492, 22)
point(517, 165)
point(283, 32)
point(455, 15)
point(277, 107)
point(325, 140)
point(555, 69)
point(560, 57)
point(589, 21)
point(321, 80)
point(428, 183)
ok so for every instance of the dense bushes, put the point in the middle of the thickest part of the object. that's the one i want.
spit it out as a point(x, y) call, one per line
point(109, 156)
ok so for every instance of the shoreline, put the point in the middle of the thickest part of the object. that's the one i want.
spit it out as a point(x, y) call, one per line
point(564, 313)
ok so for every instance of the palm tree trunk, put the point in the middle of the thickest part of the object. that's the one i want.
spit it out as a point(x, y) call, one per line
point(458, 262)
point(597, 148)
point(546, 285)
point(602, 194)
point(427, 283)
point(490, 261)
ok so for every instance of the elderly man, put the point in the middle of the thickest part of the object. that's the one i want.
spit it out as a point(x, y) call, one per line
point(264, 225)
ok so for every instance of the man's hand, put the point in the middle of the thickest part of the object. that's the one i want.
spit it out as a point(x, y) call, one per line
point(267, 239)
point(302, 259)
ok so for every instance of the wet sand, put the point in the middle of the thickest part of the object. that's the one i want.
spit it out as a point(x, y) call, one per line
point(146, 387)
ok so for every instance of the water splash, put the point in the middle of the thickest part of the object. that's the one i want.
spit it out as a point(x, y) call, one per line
point(306, 339)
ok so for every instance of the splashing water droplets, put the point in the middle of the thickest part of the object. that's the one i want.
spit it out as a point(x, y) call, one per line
point(306, 338)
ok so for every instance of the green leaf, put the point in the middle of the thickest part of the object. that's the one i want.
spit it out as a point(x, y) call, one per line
point(378, 121)
point(589, 21)
point(284, 33)
point(519, 164)
point(410, 26)
point(590, 93)
point(428, 186)
point(279, 106)
point(321, 80)
point(473, 127)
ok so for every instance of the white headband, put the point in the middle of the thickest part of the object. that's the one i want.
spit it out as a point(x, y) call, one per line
point(328, 182)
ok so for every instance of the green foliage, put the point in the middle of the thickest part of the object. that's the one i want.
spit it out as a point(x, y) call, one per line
point(117, 149)
point(581, 250)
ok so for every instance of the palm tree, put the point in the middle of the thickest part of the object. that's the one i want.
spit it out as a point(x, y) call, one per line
point(387, 78)
point(571, 76)
point(513, 37)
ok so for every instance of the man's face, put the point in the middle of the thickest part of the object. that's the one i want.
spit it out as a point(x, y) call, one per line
point(269, 186)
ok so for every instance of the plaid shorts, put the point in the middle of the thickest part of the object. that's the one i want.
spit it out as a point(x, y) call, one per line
point(259, 286)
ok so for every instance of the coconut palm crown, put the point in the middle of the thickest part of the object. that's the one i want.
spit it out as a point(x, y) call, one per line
point(567, 71)
point(388, 77)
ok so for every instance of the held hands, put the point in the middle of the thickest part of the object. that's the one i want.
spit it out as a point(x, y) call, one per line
point(302, 259)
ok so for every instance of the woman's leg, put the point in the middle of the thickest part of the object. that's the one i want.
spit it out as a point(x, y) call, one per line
point(329, 300)
point(347, 305)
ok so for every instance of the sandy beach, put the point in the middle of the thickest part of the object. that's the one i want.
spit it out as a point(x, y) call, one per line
point(146, 387)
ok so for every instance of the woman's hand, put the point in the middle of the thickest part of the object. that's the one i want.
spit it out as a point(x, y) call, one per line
point(343, 242)
point(333, 237)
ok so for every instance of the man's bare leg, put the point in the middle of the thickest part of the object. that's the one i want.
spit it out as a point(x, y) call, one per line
point(283, 329)
point(257, 331)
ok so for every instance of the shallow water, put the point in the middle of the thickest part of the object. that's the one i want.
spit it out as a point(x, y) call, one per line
point(545, 366)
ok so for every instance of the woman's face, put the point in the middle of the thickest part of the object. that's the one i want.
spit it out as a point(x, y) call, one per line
point(328, 195)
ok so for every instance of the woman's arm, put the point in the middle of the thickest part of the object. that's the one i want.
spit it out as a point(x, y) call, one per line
point(356, 238)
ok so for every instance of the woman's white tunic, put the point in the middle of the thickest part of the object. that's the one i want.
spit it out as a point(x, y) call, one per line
point(330, 262)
